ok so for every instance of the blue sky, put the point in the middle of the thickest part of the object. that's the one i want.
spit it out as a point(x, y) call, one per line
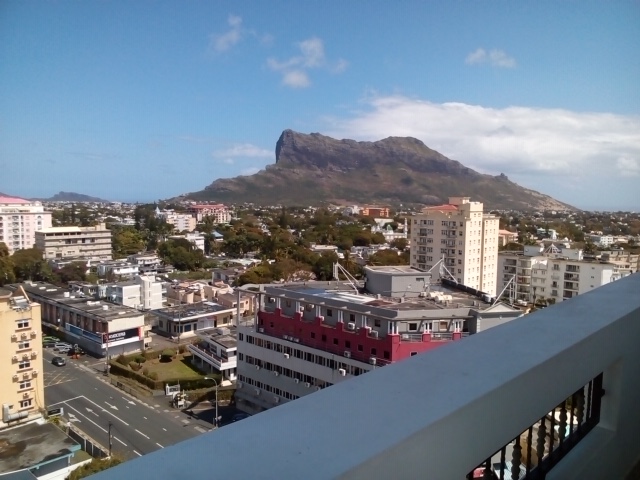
point(142, 100)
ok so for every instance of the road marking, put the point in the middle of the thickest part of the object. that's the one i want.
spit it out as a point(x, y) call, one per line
point(139, 454)
point(112, 406)
point(164, 429)
point(73, 418)
point(200, 429)
point(65, 401)
point(145, 418)
point(159, 445)
point(91, 411)
point(142, 434)
point(129, 401)
point(106, 411)
point(87, 418)
point(120, 440)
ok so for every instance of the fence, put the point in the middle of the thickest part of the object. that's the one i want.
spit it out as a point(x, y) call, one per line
point(87, 444)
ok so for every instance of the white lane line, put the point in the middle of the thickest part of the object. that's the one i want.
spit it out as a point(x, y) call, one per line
point(120, 440)
point(164, 429)
point(139, 454)
point(65, 401)
point(105, 410)
point(80, 413)
point(141, 434)
point(159, 445)
point(145, 418)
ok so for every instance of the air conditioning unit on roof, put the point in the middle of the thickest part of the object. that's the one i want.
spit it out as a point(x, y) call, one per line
point(297, 380)
point(347, 354)
point(307, 384)
point(342, 372)
point(373, 360)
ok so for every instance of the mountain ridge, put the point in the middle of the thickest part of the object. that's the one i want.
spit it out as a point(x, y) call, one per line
point(312, 169)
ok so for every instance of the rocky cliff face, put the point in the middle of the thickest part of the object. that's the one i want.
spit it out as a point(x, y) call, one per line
point(312, 169)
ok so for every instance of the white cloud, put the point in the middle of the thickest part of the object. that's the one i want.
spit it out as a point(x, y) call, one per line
point(295, 69)
point(495, 58)
point(628, 166)
point(228, 161)
point(224, 41)
point(296, 79)
point(242, 150)
point(535, 146)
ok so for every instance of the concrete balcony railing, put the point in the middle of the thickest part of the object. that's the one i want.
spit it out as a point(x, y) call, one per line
point(554, 393)
point(208, 356)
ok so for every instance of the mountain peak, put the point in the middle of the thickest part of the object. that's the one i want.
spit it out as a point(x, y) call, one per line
point(314, 168)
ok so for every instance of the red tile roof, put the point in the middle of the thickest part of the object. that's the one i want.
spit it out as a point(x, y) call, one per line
point(445, 208)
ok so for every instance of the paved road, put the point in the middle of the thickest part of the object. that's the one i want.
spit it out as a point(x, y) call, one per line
point(91, 404)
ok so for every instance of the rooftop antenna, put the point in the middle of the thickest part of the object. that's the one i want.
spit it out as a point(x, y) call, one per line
point(337, 268)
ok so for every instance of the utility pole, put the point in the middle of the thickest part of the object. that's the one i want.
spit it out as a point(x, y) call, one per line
point(110, 438)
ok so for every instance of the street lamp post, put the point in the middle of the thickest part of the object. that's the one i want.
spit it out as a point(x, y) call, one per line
point(215, 420)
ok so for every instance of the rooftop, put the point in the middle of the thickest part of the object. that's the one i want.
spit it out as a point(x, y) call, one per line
point(33, 445)
point(77, 301)
point(395, 269)
point(456, 298)
point(225, 336)
point(14, 200)
point(191, 310)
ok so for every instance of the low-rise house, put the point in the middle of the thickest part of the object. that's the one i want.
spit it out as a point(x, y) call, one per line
point(183, 321)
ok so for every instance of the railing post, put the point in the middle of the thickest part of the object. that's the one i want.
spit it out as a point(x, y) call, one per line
point(515, 460)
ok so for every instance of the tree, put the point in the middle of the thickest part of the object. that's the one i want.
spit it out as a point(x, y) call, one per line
point(28, 264)
point(7, 274)
point(387, 257)
point(323, 268)
point(76, 271)
point(400, 243)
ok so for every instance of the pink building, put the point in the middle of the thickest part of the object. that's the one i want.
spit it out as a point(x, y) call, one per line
point(218, 212)
point(20, 219)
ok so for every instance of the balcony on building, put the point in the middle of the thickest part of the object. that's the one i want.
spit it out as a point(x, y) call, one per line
point(556, 398)
point(216, 350)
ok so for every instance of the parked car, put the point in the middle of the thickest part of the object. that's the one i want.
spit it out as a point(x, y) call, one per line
point(62, 349)
point(58, 361)
point(48, 344)
point(239, 416)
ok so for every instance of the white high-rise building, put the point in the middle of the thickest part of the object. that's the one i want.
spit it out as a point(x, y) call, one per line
point(20, 219)
point(461, 234)
point(555, 275)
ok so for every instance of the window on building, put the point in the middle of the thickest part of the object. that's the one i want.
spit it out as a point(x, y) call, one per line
point(413, 327)
point(329, 312)
point(23, 345)
point(360, 348)
point(25, 384)
point(313, 335)
point(324, 338)
point(25, 403)
point(23, 323)
point(24, 364)
point(374, 352)
point(347, 344)
point(413, 354)
point(376, 322)
point(352, 317)
point(335, 341)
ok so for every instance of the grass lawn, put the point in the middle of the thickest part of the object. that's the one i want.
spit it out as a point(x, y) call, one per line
point(176, 368)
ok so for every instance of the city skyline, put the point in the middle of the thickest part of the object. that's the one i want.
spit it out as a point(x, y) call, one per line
point(137, 102)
